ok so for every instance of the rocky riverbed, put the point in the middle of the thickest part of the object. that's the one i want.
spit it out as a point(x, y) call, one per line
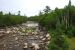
point(22, 37)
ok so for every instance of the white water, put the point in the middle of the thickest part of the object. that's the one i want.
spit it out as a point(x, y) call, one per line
point(31, 24)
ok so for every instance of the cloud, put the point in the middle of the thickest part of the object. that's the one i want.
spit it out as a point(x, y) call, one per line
point(30, 7)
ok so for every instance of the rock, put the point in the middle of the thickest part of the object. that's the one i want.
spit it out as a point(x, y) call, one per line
point(17, 29)
point(1, 31)
point(48, 42)
point(22, 33)
point(44, 39)
point(26, 34)
point(36, 46)
point(17, 45)
point(13, 31)
point(36, 36)
point(11, 42)
point(16, 38)
point(32, 41)
point(8, 32)
point(23, 30)
point(14, 35)
point(48, 38)
point(25, 43)
point(10, 47)
point(17, 42)
point(35, 33)
point(41, 37)
point(4, 45)
point(14, 28)
point(47, 35)
point(25, 47)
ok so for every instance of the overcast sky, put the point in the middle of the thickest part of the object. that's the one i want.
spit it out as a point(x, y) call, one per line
point(30, 7)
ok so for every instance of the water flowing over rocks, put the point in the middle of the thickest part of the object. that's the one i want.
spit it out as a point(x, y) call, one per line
point(22, 37)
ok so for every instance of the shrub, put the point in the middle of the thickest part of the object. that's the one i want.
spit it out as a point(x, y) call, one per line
point(58, 42)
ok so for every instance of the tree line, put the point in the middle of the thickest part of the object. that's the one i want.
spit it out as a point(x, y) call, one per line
point(10, 19)
point(63, 18)
point(60, 23)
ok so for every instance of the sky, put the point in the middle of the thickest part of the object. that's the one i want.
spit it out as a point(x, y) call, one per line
point(30, 7)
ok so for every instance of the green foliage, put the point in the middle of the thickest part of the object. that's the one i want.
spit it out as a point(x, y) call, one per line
point(33, 18)
point(47, 9)
point(73, 31)
point(9, 19)
point(58, 41)
point(61, 20)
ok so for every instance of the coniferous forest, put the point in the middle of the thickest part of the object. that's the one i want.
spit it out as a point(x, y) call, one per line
point(61, 25)
point(10, 19)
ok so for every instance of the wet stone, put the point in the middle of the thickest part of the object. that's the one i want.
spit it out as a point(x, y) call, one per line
point(23, 38)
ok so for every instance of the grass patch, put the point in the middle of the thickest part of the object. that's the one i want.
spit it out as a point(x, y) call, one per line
point(71, 42)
